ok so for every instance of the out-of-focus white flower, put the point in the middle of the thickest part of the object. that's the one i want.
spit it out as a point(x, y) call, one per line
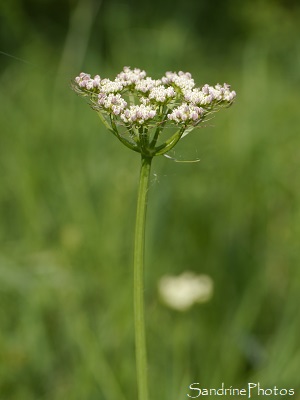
point(181, 292)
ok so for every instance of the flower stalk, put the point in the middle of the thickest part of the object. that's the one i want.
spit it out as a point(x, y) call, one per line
point(139, 247)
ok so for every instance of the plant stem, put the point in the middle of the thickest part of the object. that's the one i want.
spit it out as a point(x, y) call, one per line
point(139, 245)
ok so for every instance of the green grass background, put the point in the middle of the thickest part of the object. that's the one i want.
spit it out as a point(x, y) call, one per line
point(68, 194)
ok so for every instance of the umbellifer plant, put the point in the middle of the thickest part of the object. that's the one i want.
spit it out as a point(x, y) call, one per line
point(137, 110)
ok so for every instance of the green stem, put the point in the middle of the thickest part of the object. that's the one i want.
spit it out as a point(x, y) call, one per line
point(139, 319)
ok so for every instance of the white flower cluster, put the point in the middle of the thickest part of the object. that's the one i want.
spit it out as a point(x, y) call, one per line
point(186, 113)
point(210, 95)
point(108, 86)
point(144, 85)
point(85, 81)
point(183, 80)
point(128, 77)
point(161, 94)
point(219, 93)
point(197, 96)
point(137, 115)
point(112, 102)
point(134, 105)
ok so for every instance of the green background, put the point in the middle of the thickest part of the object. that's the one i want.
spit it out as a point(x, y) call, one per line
point(68, 193)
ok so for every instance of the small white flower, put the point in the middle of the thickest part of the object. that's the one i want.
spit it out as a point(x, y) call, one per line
point(181, 292)
point(138, 114)
point(83, 77)
point(145, 101)
point(97, 80)
point(228, 95)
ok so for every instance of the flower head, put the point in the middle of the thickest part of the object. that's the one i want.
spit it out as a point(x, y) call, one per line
point(138, 115)
point(161, 94)
point(113, 103)
point(134, 106)
point(186, 113)
point(86, 82)
point(182, 80)
point(108, 86)
point(128, 77)
point(144, 85)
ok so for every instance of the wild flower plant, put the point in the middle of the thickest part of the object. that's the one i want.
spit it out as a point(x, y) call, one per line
point(137, 109)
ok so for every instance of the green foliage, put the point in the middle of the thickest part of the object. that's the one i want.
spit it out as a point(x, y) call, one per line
point(68, 193)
